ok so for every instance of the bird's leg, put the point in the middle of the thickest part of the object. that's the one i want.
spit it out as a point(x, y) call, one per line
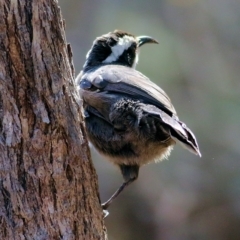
point(120, 189)
point(130, 174)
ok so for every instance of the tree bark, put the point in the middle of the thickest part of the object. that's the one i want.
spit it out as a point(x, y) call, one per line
point(48, 185)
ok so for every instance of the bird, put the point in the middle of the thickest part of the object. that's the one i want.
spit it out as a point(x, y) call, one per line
point(129, 119)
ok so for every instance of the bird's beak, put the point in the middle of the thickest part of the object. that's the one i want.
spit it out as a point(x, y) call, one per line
point(145, 39)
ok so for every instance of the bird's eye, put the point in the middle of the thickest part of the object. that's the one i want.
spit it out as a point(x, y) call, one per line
point(130, 55)
point(129, 59)
point(134, 45)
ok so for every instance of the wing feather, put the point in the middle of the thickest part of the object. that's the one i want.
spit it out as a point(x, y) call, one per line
point(179, 131)
point(125, 80)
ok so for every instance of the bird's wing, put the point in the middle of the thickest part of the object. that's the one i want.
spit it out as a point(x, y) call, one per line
point(179, 131)
point(125, 80)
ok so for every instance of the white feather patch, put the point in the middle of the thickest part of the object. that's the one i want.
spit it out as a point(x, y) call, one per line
point(123, 44)
point(88, 53)
point(135, 60)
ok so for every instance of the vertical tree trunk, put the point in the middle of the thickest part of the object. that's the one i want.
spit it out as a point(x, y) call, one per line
point(48, 186)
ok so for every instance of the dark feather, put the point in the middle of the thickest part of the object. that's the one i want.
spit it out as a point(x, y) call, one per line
point(107, 85)
point(125, 80)
point(179, 131)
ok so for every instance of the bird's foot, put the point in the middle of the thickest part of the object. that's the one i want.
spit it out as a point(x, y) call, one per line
point(105, 213)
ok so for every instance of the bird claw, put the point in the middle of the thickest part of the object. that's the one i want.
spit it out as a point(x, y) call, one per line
point(105, 213)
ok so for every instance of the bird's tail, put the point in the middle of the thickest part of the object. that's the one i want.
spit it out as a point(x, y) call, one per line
point(185, 137)
point(178, 130)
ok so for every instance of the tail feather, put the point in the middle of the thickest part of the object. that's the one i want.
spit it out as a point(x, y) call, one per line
point(188, 140)
point(179, 131)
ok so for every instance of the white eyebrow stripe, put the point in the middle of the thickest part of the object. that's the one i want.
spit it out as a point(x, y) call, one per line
point(123, 44)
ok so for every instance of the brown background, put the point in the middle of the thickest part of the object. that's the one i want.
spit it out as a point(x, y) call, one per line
point(198, 64)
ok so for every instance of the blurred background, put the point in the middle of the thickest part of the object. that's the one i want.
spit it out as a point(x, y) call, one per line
point(198, 64)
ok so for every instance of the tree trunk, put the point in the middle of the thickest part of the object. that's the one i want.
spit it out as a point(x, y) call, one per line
point(48, 185)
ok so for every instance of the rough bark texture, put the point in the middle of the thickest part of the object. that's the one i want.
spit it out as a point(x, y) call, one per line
point(48, 186)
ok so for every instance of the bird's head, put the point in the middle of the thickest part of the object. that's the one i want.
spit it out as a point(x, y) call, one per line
point(116, 47)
